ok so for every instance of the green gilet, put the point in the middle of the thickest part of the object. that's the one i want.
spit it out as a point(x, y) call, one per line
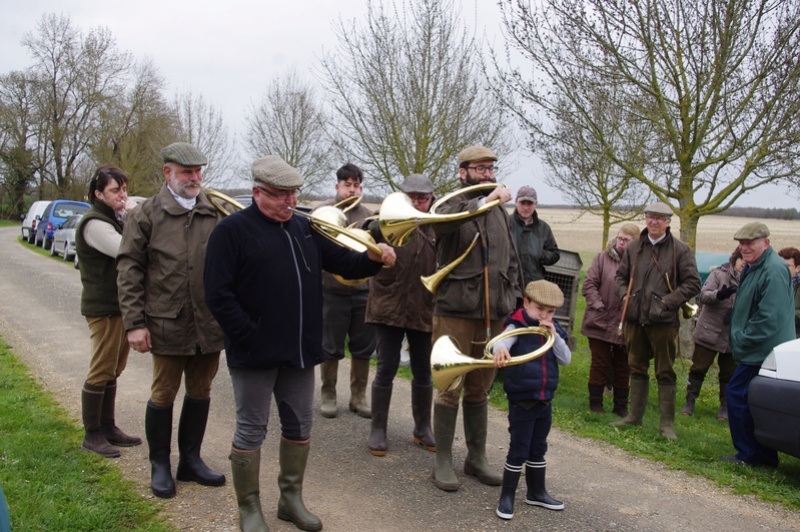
point(98, 270)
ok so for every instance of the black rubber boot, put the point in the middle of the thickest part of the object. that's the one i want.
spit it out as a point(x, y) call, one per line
point(475, 431)
point(158, 430)
point(381, 398)
point(191, 430)
point(91, 406)
point(505, 508)
point(639, 390)
point(421, 399)
point(245, 467)
point(692, 392)
point(596, 398)
point(621, 401)
point(108, 423)
point(444, 428)
point(535, 473)
point(293, 458)
point(722, 412)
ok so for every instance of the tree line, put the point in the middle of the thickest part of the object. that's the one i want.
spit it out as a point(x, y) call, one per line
point(624, 101)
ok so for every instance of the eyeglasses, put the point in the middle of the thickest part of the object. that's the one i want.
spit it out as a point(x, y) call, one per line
point(420, 198)
point(280, 195)
point(481, 169)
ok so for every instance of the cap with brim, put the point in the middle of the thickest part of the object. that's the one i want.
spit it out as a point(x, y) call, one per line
point(658, 208)
point(545, 293)
point(275, 172)
point(184, 154)
point(417, 184)
point(475, 153)
point(752, 231)
point(527, 193)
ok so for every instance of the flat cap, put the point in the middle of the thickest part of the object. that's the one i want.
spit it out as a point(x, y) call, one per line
point(183, 154)
point(658, 208)
point(752, 231)
point(545, 293)
point(475, 153)
point(275, 172)
point(527, 193)
point(416, 184)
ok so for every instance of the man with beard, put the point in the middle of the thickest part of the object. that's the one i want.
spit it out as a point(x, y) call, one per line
point(161, 296)
point(489, 278)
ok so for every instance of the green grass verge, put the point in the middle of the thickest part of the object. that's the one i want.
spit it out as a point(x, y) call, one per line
point(702, 439)
point(49, 483)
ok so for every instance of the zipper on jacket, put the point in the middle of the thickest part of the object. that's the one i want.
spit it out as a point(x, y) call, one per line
point(300, 287)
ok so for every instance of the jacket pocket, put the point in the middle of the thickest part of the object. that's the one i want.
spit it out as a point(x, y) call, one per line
point(658, 311)
point(460, 295)
point(167, 329)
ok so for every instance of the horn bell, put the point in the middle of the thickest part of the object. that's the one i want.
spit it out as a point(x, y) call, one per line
point(449, 364)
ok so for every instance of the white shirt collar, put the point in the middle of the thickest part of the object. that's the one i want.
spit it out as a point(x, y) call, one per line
point(183, 202)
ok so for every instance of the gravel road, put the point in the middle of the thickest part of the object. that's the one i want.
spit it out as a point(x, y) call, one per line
point(603, 488)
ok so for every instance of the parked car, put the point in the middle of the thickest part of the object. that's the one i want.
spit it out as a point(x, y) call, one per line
point(31, 218)
point(64, 238)
point(774, 399)
point(56, 214)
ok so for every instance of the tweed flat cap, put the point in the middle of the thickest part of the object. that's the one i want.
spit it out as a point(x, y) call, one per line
point(183, 154)
point(275, 172)
point(752, 231)
point(475, 153)
point(545, 293)
point(527, 193)
point(658, 208)
point(416, 184)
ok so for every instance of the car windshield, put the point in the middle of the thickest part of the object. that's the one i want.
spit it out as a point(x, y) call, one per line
point(65, 211)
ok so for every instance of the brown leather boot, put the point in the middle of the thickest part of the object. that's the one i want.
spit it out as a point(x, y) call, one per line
point(91, 407)
point(596, 398)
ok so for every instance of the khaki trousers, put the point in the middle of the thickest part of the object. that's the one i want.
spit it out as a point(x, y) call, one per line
point(109, 349)
point(199, 369)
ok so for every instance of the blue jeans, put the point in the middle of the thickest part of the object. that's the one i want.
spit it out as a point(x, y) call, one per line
point(293, 389)
point(741, 421)
point(529, 429)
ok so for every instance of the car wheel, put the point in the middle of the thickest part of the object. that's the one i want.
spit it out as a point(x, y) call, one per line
point(76, 260)
point(53, 252)
point(47, 243)
point(67, 252)
point(31, 237)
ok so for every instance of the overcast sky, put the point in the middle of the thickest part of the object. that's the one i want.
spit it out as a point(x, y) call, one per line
point(230, 51)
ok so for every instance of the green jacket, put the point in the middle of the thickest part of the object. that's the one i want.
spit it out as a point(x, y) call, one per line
point(762, 314)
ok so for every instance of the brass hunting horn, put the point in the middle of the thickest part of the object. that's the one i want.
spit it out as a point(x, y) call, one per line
point(349, 203)
point(331, 222)
point(449, 364)
point(431, 282)
point(398, 217)
point(223, 203)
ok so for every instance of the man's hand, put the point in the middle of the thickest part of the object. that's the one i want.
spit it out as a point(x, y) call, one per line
point(388, 257)
point(502, 193)
point(139, 339)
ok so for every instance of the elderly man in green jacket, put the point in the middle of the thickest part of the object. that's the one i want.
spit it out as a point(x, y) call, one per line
point(762, 318)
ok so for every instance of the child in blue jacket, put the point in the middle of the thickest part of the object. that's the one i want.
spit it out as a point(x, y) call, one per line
point(529, 388)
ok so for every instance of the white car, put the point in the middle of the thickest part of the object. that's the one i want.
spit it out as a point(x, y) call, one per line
point(31, 218)
point(64, 239)
point(774, 398)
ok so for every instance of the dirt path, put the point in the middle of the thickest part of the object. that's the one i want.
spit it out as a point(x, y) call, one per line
point(603, 487)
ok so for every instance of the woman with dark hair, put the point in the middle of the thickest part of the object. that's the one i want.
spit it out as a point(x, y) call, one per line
point(97, 242)
point(711, 335)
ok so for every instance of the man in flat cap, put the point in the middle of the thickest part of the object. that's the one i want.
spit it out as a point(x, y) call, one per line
point(762, 318)
point(470, 305)
point(160, 280)
point(657, 274)
point(399, 305)
point(343, 310)
point(533, 237)
point(264, 286)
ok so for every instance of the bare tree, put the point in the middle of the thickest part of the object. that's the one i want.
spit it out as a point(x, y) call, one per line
point(135, 128)
point(714, 82)
point(409, 92)
point(17, 169)
point(201, 124)
point(289, 122)
point(74, 78)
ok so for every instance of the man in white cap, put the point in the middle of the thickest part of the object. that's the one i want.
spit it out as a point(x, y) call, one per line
point(264, 286)
point(533, 237)
point(762, 318)
point(160, 280)
point(490, 278)
point(657, 274)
